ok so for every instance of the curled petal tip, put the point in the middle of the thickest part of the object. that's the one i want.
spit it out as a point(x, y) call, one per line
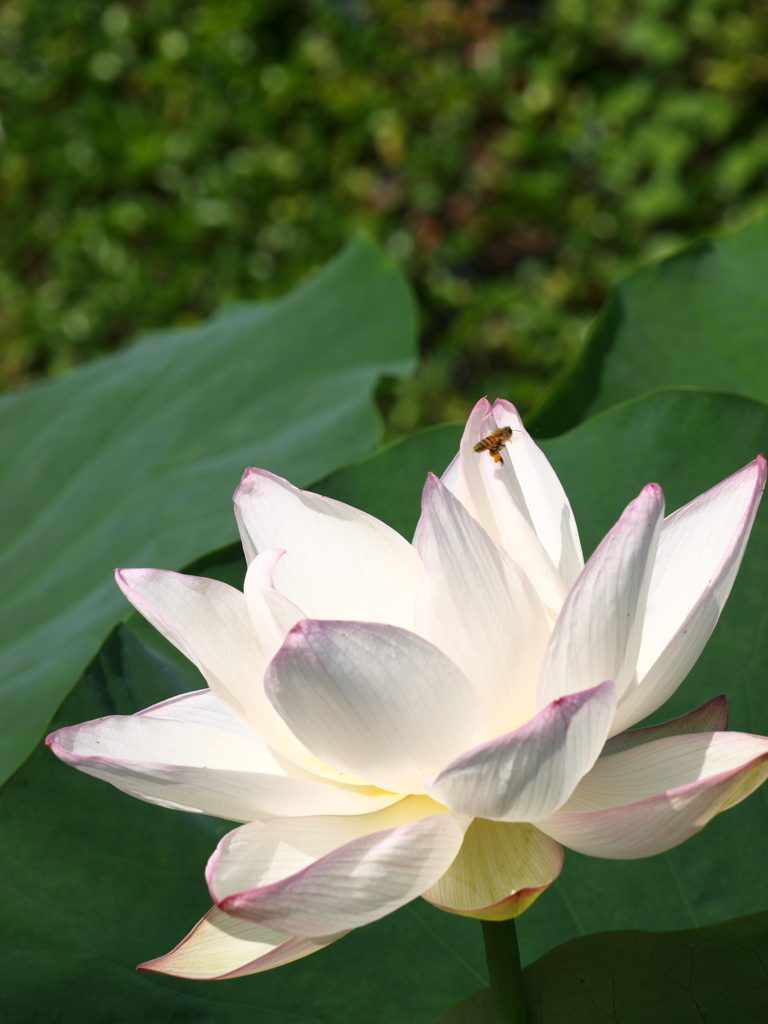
point(650, 500)
point(504, 403)
point(121, 579)
point(302, 629)
point(247, 474)
point(431, 484)
point(253, 473)
point(483, 404)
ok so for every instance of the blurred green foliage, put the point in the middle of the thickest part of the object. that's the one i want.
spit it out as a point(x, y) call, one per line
point(162, 157)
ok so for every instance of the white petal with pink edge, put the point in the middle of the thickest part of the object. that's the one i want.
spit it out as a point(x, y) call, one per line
point(547, 503)
point(464, 479)
point(478, 606)
point(530, 772)
point(319, 876)
point(221, 946)
point(374, 702)
point(643, 801)
point(340, 563)
point(491, 492)
point(597, 635)
point(188, 765)
point(208, 621)
point(700, 551)
point(500, 870)
point(709, 717)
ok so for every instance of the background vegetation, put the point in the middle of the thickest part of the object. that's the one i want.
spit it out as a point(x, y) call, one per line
point(161, 158)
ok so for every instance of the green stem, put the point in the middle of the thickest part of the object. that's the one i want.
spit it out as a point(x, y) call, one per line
point(505, 972)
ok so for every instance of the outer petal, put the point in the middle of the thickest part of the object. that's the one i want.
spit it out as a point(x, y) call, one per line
point(320, 876)
point(208, 622)
point(200, 707)
point(530, 772)
point(204, 707)
point(340, 563)
point(700, 550)
point(479, 607)
point(648, 799)
point(709, 717)
point(493, 494)
point(196, 761)
point(221, 946)
point(375, 702)
point(500, 870)
point(597, 635)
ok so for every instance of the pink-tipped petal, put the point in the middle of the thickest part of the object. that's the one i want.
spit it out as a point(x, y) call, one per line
point(529, 773)
point(221, 946)
point(645, 800)
point(340, 563)
point(700, 551)
point(492, 494)
point(547, 503)
point(709, 717)
point(501, 868)
point(314, 877)
point(463, 477)
point(477, 606)
point(375, 702)
point(187, 763)
point(597, 635)
point(208, 621)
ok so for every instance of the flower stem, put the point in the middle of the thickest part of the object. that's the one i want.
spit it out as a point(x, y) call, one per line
point(505, 972)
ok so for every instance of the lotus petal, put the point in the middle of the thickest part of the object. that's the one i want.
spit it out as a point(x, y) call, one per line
point(501, 869)
point(375, 702)
point(318, 876)
point(480, 609)
point(647, 799)
point(340, 563)
point(221, 946)
point(530, 772)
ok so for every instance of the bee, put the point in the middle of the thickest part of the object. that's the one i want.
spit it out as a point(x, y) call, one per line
point(494, 443)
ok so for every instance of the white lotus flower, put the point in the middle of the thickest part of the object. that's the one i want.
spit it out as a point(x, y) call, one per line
point(393, 720)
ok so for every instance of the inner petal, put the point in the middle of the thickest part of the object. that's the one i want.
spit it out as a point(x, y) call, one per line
point(375, 702)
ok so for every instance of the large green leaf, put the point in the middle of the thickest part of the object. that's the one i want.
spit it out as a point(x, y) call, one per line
point(131, 459)
point(712, 975)
point(697, 318)
point(95, 881)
